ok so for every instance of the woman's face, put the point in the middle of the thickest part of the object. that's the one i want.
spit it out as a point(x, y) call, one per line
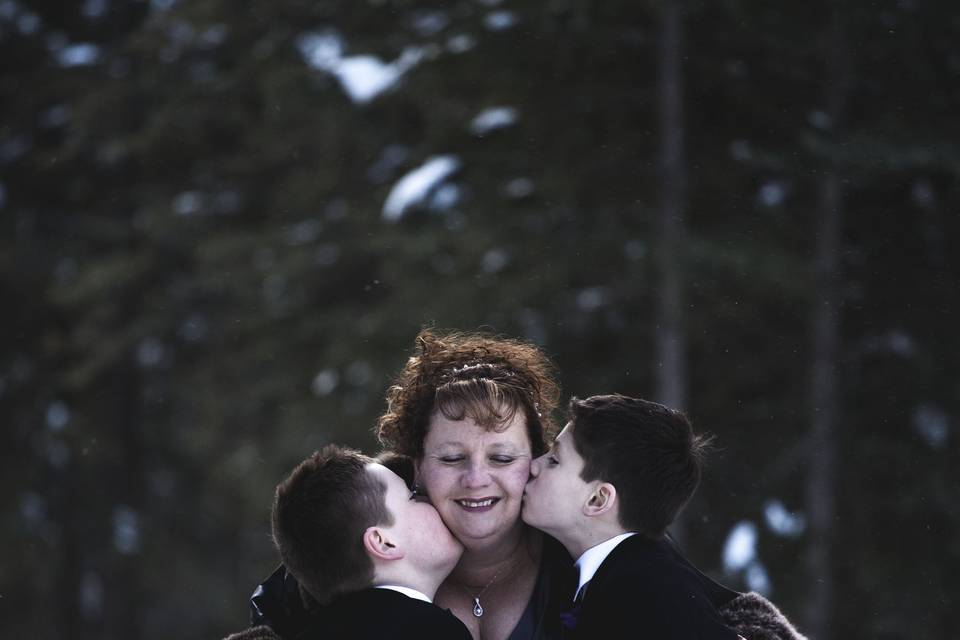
point(475, 477)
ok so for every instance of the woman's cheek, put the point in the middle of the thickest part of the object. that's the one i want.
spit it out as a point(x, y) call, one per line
point(517, 478)
point(436, 481)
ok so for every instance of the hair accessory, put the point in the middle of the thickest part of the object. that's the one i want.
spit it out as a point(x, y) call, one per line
point(480, 368)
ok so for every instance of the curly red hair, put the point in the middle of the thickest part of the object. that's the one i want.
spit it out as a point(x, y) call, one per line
point(483, 377)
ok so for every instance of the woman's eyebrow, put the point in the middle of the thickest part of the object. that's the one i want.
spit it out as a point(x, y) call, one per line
point(457, 446)
point(504, 446)
point(450, 443)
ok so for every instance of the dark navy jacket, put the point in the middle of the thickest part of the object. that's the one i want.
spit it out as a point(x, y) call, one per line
point(647, 589)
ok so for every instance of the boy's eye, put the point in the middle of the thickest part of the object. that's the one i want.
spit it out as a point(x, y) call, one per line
point(552, 461)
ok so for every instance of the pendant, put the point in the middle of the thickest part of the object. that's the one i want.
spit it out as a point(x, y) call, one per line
point(477, 609)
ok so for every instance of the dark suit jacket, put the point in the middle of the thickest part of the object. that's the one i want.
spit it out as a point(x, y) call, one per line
point(278, 602)
point(383, 614)
point(646, 589)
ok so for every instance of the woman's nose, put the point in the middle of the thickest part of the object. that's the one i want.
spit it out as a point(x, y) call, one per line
point(477, 475)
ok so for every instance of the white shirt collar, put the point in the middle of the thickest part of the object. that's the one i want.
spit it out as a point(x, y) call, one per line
point(407, 591)
point(592, 558)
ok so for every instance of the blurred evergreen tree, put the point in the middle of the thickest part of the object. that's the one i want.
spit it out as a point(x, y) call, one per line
point(203, 285)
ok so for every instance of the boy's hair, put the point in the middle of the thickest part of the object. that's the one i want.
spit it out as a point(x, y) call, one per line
point(646, 450)
point(320, 513)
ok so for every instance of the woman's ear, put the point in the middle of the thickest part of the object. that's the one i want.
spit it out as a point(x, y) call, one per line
point(601, 501)
point(379, 545)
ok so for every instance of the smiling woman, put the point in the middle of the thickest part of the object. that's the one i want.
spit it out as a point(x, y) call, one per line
point(472, 410)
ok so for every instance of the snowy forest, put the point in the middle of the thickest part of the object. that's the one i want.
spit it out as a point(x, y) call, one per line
point(223, 224)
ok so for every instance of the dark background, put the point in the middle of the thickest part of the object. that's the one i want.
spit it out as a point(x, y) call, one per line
point(745, 209)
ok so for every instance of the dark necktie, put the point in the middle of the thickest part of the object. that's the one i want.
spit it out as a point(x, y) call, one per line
point(568, 619)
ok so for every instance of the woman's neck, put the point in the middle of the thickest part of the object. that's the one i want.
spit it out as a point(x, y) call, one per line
point(480, 565)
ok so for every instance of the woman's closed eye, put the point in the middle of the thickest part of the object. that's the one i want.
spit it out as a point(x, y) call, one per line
point(495, 459)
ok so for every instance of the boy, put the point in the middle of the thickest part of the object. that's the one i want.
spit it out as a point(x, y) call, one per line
point(355, 538)
point(615, 478)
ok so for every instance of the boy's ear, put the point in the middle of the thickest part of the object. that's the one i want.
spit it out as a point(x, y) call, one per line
point(601, 501)
point(379, 545)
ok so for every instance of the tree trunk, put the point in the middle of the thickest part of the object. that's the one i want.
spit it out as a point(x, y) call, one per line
point(824, 405)
point(821, 479)
point(671, 346)
point(671, 374)
point(67, 594)
point(130, 495)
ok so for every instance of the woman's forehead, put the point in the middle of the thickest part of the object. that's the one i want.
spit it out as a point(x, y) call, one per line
point(446, 432)
point(489, 410)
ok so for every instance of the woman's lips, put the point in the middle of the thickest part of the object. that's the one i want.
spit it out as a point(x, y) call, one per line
point(477, 505)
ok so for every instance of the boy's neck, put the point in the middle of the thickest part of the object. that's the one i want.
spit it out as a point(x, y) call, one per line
point(578, 542)
point(410, 579)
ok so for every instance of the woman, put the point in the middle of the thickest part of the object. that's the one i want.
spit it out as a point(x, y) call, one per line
point(472, 411)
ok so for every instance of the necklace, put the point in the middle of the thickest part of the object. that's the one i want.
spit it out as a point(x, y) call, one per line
point(514, 566)
point(477, 607)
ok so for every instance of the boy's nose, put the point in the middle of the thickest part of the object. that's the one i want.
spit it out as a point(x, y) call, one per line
point(535, 468)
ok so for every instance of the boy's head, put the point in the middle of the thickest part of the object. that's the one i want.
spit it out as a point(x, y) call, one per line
point(343, 522)
point(628, 463)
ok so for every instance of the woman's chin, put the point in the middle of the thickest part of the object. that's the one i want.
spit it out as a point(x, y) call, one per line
point(474, 532)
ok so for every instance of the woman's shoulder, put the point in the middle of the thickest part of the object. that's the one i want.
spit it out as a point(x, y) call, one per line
point(557, 563)
point(555, 570)
point(555, 554)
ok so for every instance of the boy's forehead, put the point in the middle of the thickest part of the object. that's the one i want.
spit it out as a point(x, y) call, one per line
point(384, 474)
point(563, 438)
point(379, 470)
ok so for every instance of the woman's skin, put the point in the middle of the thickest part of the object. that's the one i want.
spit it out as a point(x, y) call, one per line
point(475, 479)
